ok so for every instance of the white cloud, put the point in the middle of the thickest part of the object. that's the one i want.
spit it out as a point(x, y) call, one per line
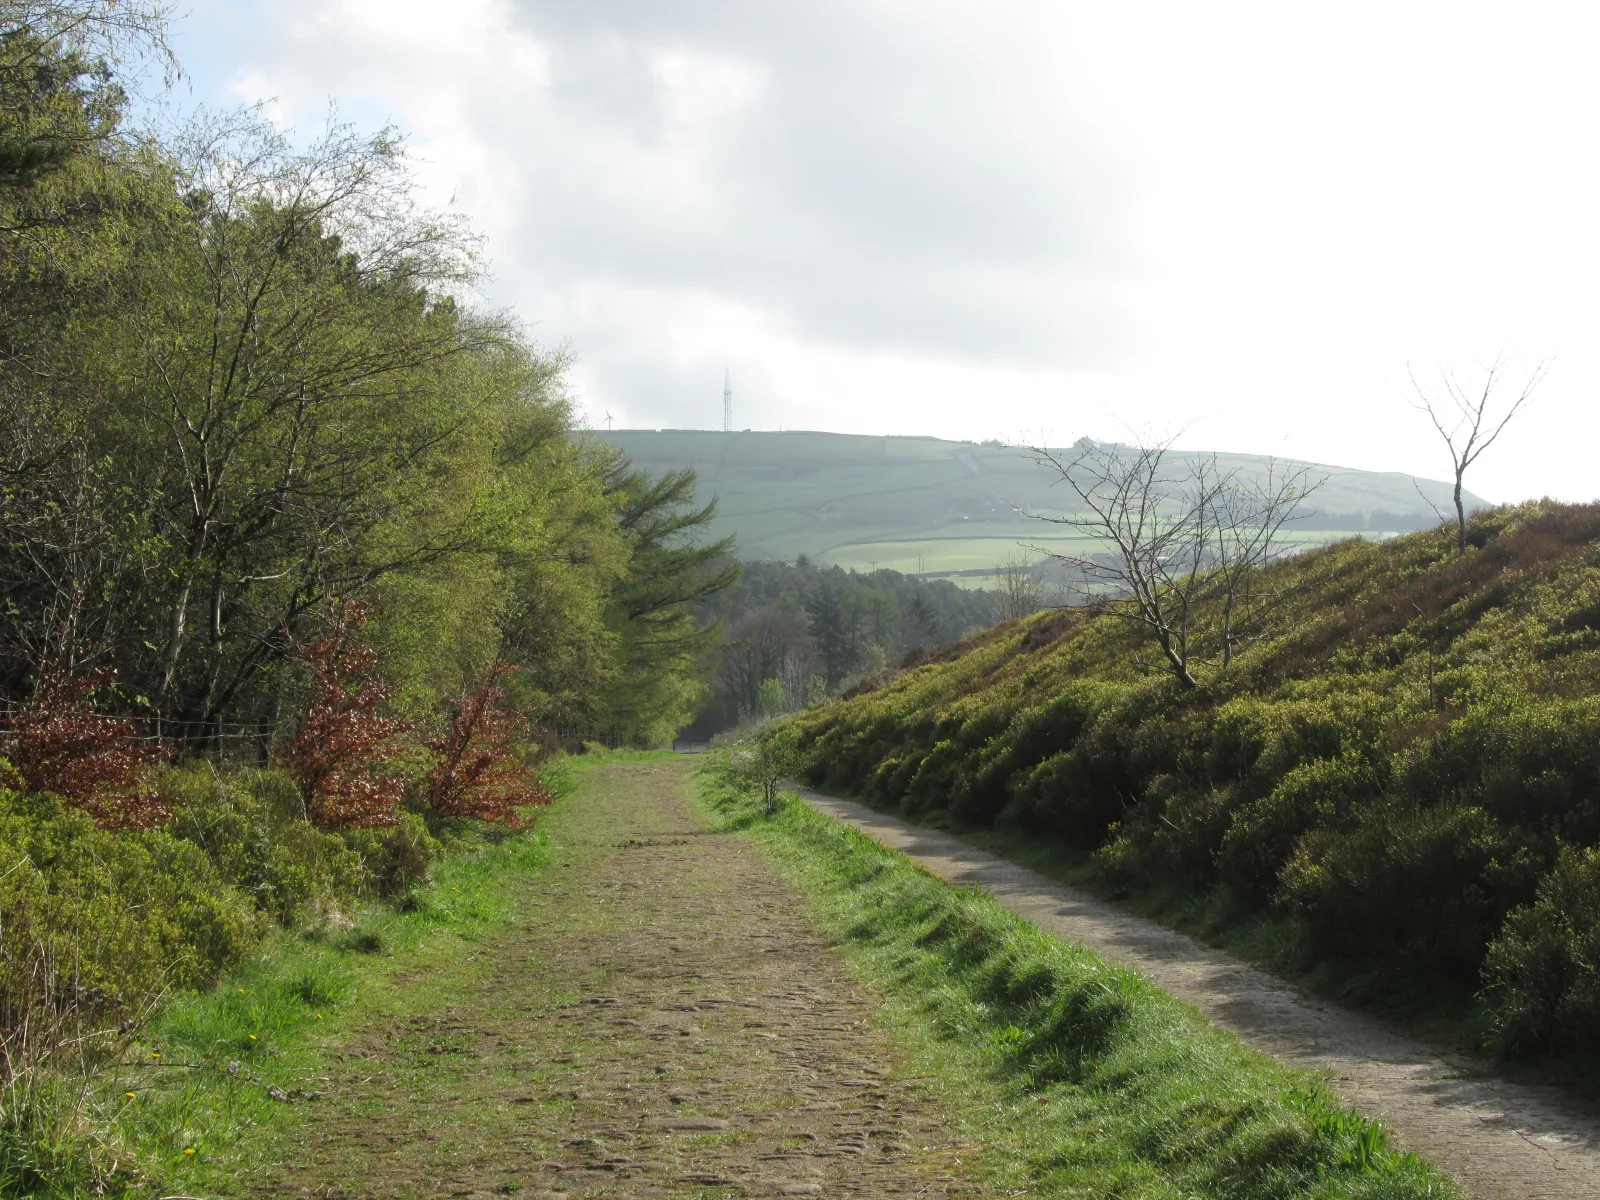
point(968, 220)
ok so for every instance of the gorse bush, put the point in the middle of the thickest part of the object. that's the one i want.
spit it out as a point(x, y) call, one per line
point(252, 826)
point(108, 922)
point(1403, 753)
point(1543, 970)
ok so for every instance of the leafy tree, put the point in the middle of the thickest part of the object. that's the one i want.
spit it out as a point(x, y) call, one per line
point(478, 771)
point(761, 764)
point(771, 642)
point(833, 628)
point(661, 646)
point(772, 616)
point(340, 758)
point(94, 762)
point(770, 698)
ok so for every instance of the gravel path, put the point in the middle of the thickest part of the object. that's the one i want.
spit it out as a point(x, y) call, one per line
point(664, 1017)
point(1501, 1141)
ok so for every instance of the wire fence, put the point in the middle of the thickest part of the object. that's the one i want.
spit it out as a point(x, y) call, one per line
point(238, 742)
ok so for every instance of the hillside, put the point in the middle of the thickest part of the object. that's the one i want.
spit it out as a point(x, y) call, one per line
point(1401, 769)
point(923, 505)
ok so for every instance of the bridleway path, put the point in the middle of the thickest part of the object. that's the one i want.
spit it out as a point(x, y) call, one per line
point(1500, 1140)
point(664, 1017)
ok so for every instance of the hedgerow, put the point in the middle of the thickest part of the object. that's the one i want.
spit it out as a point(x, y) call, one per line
point(1404, 757)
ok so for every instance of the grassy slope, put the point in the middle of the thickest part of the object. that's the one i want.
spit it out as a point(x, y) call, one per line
point(1074, 1077)
point(1389, 768)
point(854, 500)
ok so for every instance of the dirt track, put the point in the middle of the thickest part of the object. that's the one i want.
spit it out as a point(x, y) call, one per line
point(664, 1018)
point(1502, 1141)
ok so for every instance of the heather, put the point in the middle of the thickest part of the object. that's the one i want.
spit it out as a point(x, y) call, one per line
point(1398, 765)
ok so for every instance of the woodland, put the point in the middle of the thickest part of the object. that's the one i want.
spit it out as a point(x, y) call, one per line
point(303, 556)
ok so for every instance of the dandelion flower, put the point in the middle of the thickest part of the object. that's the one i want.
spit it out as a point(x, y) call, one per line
point(131, 1095)
point(188, 1149)
point(318, 1016)
point(253, 1037)
point(241, 991)
point(155, 1054)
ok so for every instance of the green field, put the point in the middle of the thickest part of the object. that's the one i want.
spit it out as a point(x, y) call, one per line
point(923, 505)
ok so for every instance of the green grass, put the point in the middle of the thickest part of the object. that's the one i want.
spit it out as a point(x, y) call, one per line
point(208, 1092)
point(204, 1113)
point(1074, 1077)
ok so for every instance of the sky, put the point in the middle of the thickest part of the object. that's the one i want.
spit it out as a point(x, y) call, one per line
point(1248, 225)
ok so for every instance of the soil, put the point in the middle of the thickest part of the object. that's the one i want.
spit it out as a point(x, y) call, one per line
point(663, 1017)
point(1499, 1140)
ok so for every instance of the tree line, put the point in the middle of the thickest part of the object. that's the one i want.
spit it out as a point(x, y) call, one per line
point(242, 382)
point(796, 633)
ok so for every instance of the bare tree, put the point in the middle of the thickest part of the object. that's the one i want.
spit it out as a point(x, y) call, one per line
point(1176, 533)
point(1247, 518)
point(1464, 417)
point(1155, 522)
point(1017, 587)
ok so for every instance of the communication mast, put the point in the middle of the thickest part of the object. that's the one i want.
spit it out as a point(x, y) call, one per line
point(727, 401)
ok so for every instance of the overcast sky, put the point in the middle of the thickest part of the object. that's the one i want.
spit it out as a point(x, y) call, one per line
point(1003, 218)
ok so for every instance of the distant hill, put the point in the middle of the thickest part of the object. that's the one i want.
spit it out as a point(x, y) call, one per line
point(925, 505)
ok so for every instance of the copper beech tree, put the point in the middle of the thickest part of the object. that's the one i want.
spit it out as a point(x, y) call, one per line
point(477, 771)
point(339, 759)
point(94, 762)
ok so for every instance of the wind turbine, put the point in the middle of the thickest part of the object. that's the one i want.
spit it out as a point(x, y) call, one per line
point(608, 420)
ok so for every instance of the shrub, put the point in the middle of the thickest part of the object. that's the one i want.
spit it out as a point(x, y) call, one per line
point(1542, 973)
point(760, 765)
point(251, 825)
point(1418, 883)
point(1265, 833)
point(1396, 752)
point(94, 762)
point(397, 856)
point(478, 772)
point(339, 757)
point(1531, 763)
point(930, 785)
point(1065, 795)
point(107, 921)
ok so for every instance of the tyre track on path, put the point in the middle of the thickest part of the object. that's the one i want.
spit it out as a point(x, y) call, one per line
point(664, 1017)
point(1500, 1140)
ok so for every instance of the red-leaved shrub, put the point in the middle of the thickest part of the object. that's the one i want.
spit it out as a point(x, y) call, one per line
point(338, 757)
point(94, 762)
point(478, 773)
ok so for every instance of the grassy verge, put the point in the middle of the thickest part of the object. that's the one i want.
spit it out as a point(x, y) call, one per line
point(1280, 944)
point(208, 1092)
point(1073, 1076)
